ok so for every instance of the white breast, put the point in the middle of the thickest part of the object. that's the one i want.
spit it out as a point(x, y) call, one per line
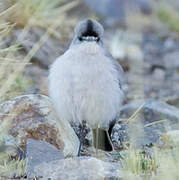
point(83, 85)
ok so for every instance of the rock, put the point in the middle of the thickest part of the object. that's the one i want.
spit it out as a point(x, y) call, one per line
point(32, 116)
point(119, 135)
point(115, 11)
point(157, 74)
point(111, 12)
point(172, 136)
point(145, 6)
point(79, 168)
point(126, 45)
point(13, 152)
point(154, 119)
point(173, 100)
point(86, 132)
point(38, 152)
point(39, 77)
point(171, 60)
point(47, 53)
point(160, 50)
point(152, 111)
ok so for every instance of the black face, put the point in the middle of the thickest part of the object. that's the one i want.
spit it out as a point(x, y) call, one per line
point(89, 34)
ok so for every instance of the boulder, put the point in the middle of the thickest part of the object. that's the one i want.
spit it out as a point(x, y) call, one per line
point(38, 152)
point(32, 116)
point(152, 111)
point(79, 168)
point(153, 120)
point(47, 52)
point(116, 11)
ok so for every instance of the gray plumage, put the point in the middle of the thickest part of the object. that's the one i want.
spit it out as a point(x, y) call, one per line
point(85, 82)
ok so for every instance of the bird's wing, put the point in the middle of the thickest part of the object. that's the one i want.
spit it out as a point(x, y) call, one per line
point(118, 68)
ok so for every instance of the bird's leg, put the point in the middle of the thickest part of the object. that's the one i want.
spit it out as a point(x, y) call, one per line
point(97, 140)
point(82, 135)
point(109, 139)
point(79, 150)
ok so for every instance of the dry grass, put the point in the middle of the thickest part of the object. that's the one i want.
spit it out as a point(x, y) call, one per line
point(37, 12)
point(168, 13)
point(160, 163)
point(23, 14)
point(10, 167)
point(48, 14)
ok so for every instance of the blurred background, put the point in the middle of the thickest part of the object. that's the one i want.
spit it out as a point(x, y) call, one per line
point(143, 35)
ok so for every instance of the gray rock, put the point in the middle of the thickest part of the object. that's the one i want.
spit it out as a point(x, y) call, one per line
point(154, 119)
point(126, 45)
point(32, 116)
point(145, 6)
point(172, 136)
point(39, 76)
point(152, 111)
point(115, 11)
point(171, 60)
point(159, 74)
point(46, 54)
point(13, 152)
point(160, 66)
point(48, 51)
point(38, 152)
point(80, 168)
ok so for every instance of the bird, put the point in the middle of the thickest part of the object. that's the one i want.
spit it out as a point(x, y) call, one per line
point(85, 84)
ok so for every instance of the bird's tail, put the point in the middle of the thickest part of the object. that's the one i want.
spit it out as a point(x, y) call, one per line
point(103, 140)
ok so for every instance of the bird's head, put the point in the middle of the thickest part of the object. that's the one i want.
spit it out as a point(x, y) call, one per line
point(88, 31)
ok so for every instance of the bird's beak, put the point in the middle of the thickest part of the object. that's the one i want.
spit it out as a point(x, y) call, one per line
point(89, 38)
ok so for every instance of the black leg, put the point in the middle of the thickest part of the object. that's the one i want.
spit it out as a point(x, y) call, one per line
point(79, 150)
point(103, 139)
point(82, 135)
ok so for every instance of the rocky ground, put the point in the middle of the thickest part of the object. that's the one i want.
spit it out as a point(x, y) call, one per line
point(48, 147)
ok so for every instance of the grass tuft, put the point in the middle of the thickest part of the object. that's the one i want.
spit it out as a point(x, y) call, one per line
point(11, 167)
point(169, 15)
point(37, 12)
